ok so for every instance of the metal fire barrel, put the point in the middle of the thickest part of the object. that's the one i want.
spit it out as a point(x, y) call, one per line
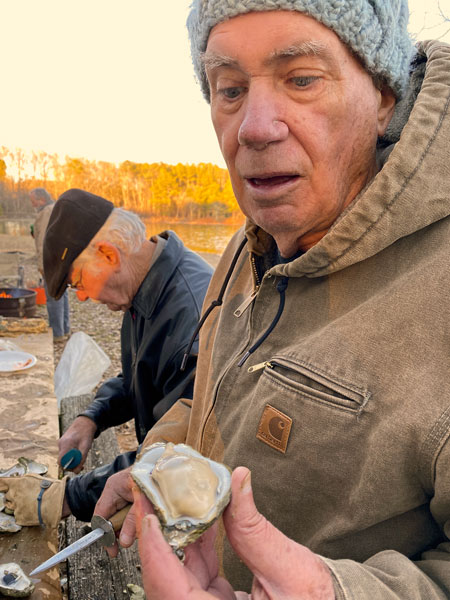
point(17, 302)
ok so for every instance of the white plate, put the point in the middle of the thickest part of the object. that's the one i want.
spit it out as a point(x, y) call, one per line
point(13, 360)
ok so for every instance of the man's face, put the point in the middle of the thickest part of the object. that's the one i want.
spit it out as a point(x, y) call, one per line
point(35, 202)
point(297, 119)
point(94, 276)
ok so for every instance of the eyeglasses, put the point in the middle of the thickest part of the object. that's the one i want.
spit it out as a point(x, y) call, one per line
point(77, 286)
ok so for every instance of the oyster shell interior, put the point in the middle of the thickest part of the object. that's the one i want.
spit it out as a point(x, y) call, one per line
point(2, 501)
point(14, 582)
point(188, 491)
point(24, 465)
point(8, 524)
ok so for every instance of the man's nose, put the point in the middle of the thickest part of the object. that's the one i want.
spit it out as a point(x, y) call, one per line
point(81, 295)
point(262, 122)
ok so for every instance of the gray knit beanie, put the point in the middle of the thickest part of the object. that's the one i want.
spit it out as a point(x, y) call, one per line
point(376, 30)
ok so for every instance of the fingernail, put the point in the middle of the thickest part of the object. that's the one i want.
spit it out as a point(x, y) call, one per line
point(246, 484)
point(153, 521)
point(146, 524)
point(125, 539)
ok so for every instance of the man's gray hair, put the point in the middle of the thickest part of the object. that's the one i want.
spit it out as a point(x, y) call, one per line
point(42, 194)
point(124, 229)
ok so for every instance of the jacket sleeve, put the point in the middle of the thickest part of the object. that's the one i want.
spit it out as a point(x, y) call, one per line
point(111, 406)
point(172, 427)
point(84, 491)
point(390, 575)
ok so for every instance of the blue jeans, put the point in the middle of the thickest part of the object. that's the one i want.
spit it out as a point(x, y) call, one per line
point(58, 313)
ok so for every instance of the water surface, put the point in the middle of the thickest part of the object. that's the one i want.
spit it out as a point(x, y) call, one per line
point(201, 238)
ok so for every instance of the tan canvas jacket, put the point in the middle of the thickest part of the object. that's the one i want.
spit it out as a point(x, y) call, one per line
point(344, 419)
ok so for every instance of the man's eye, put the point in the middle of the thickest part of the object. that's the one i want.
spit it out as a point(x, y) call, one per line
point(231, 93)
point(303, 81)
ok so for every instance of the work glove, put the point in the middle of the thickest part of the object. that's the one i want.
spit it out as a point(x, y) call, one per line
point(35, 500)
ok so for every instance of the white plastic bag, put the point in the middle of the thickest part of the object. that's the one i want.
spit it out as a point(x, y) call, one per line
point(80, 368)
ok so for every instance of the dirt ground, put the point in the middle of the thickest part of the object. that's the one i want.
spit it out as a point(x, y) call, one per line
point(96, 320)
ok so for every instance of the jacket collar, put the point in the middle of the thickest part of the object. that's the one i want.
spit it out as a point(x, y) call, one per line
point(155, 282)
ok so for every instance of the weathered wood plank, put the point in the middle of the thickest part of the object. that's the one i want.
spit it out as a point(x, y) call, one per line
point(92, 575)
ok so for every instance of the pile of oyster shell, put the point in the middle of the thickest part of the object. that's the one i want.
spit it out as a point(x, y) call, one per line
point(24, 465)
point(188, 491)
point(14, 582)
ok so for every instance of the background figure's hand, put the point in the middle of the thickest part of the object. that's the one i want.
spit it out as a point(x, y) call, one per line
point(22, 497)
point(79, 435)
point(281, 567)
point(164, 576)
point(117, 494)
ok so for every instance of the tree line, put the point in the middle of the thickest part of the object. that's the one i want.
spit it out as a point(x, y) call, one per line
point(186, 192)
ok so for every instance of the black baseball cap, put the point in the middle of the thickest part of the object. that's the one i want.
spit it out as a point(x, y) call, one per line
point(75, 219)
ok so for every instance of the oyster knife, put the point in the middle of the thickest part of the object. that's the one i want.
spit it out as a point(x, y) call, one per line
point(101, 529)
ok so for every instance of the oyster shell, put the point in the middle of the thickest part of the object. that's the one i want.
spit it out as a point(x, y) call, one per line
point(24, 465)
point(2, 501)
point(188, 491)
point(14, 582)
point(8, 524)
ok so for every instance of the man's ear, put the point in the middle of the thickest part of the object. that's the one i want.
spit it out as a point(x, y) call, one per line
point(386, 108)
point(108, 252)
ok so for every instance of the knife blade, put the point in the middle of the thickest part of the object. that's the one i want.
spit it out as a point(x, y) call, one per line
point(101, 529)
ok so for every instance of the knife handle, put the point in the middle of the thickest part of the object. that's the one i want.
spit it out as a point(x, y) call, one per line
point(118, 519)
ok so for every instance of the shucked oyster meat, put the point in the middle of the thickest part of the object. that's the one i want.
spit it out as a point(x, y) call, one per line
point(188, 491)
point(13, 581)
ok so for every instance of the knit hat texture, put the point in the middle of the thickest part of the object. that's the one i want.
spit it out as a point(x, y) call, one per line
point(376, 30)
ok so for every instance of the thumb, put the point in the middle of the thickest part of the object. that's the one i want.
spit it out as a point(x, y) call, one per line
point(253, 538)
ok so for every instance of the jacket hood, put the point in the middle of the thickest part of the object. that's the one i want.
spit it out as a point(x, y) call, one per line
point(410, 191)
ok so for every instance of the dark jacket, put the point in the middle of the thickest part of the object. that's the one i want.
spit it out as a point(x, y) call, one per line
point(155, 334)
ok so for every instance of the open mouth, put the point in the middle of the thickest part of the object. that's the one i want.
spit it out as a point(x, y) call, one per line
point(271, 181)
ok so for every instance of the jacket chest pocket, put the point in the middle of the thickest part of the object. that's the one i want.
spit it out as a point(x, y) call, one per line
point(297, 378)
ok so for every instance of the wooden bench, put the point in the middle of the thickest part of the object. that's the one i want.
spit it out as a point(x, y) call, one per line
point(91, 574)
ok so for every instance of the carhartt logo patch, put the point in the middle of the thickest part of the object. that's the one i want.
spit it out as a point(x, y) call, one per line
point(274, 428)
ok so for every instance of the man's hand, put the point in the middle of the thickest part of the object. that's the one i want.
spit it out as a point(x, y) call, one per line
point(22, 497)
point(163, 575)
point(79, 435)
point(282, 568)
point(117, 494)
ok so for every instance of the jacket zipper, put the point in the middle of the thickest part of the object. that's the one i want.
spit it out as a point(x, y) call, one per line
point(260, 366)
point(243, 307)
point(255, 272)
point(270, 364)
point(239, 310)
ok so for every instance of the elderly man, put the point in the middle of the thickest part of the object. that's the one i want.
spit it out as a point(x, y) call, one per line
point(325, 369)
point(102, 252)
point(57, 310)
